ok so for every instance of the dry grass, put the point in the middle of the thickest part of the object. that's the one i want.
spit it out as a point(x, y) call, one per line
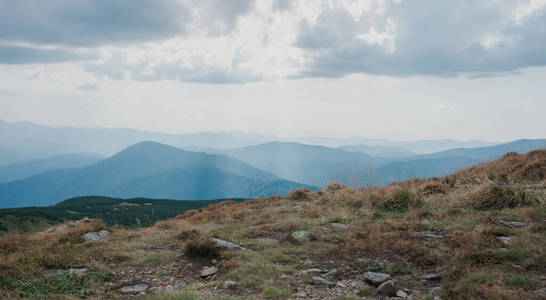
point(384, 230)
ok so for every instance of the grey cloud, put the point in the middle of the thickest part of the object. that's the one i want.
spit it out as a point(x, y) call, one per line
point(88, 87)
point(438, 38)
point(30, 55)
point(90, 22)
point(193, 69)
point(282, 4)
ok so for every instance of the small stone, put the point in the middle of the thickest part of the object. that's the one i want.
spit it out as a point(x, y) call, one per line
point(312, 271)
point(435, 290)
point(386, 289)
point(230, 284)
point(434, 276)
point(505, 239)
point(286, 207)
point(339, 225)
point(376, 278)
point(206, 272)
point(139, 288)
point(229, 244)
point(302, 236)
point(365, 211)
point(332, 273)
point(513, 224)
point(323, 281)
point(541, 291)
point(179, 286)
point(433, 234)
point(401, 294)
point(287, 277)
point(341, 284)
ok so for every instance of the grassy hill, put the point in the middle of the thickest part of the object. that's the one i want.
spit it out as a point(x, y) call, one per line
point(113, 211)
point(475, 234)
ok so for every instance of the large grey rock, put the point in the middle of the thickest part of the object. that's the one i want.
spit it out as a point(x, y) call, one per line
point(386, 289)
point(206, 272)
point(375, 278)
point(401, 294)
point(229, 244)
point(96, 236)
point(134, 288)
point(301, 236)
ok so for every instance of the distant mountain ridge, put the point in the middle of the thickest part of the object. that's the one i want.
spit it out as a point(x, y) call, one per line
point(141, 168)
point(21, 170)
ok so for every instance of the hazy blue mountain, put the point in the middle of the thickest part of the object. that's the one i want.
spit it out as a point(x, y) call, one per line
point(21, 170)
point(419, 168)
point(112, 176)
point(491, 152)
point(197, 183)
point(309, 164)
point(381, 151)
point(421, 146)
point(43, 141)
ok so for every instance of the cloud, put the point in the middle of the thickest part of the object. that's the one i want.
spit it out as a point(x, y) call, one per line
point(88, 87)
point(90, 22)
point(439, 38)
point(30, 55)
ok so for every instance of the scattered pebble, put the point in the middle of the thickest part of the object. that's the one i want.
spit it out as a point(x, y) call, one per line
point(434, 276)
point(139, 288)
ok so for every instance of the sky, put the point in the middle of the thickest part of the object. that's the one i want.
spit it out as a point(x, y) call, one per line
point(395, 69)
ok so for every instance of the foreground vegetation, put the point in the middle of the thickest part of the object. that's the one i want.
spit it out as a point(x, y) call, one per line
point(479, 231)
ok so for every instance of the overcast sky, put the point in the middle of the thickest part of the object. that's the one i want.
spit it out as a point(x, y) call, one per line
point(396, 69)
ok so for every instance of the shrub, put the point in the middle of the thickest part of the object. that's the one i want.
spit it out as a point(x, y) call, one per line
point(300, 194)
point(498, 198)
point(402, 201)
point(201, 246)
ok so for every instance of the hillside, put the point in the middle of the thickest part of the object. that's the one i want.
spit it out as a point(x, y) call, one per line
point(113, 211)
point(381, 151)
point(21, 170)
point(124, 175)
point(475, 234)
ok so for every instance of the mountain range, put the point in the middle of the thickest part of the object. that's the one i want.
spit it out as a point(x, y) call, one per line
point(151, 169)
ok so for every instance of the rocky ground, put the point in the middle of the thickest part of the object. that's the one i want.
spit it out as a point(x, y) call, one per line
point(476, 234)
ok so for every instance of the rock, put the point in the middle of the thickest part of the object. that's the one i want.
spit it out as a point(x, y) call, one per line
point(435, 290)
point(541, 291)
point(323, 281)
point(339, 225)
point(332, 273)
point(386, 289)
point(312, 271)
point(78, 272)
point(341, 285)
point(401, 294)
point(513, 224)
point(96, 236)
point(376, 279)
point(365, 211)
point(505, 239)
point(301, 236)
point(206, 272)
point(230, 284)
point(434, 276)
point(139, 288)
point(432, 234)
point(229, 244)
point(286, 207)
point(57, 272)
point(287, 277)
point(436, 298)
point(179, 286)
